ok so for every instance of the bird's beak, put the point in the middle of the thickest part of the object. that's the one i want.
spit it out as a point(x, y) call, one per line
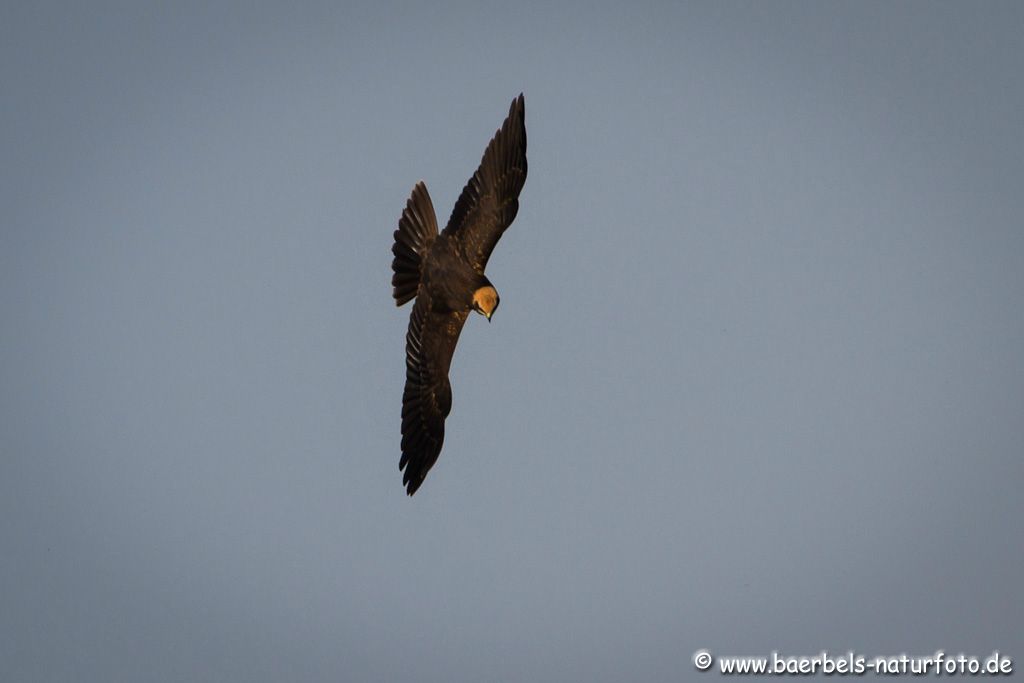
point(489, 317)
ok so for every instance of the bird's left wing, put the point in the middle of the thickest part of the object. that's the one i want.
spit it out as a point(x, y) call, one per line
point(489, 202)
point(427, 400)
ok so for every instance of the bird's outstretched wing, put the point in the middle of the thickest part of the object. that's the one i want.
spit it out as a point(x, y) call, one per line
point(489, 202)
point(427, 399)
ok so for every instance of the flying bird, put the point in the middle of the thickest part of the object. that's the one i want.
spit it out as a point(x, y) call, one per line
point(445, 274)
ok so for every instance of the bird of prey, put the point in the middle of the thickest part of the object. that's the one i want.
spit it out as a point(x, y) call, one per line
point(445, 274)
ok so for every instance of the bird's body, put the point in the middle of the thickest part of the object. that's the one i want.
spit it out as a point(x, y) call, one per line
point(444, 272)
point(448, 278)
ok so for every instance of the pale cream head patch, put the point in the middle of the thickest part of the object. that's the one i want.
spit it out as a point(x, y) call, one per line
point(485, 300)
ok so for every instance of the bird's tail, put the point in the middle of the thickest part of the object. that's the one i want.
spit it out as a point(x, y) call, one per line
point(417, 229)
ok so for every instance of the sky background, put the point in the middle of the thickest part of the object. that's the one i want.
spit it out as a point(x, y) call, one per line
point(756, 383)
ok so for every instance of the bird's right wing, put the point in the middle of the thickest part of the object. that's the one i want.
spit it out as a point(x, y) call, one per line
point(427, 400)
point(489, 202)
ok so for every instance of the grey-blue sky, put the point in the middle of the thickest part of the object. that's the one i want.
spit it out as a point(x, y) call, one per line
point(755, 383)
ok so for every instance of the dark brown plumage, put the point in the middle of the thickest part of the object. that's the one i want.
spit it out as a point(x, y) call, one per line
point(445, 274)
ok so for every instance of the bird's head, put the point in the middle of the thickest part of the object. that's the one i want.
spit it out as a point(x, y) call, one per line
point(485, 301)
